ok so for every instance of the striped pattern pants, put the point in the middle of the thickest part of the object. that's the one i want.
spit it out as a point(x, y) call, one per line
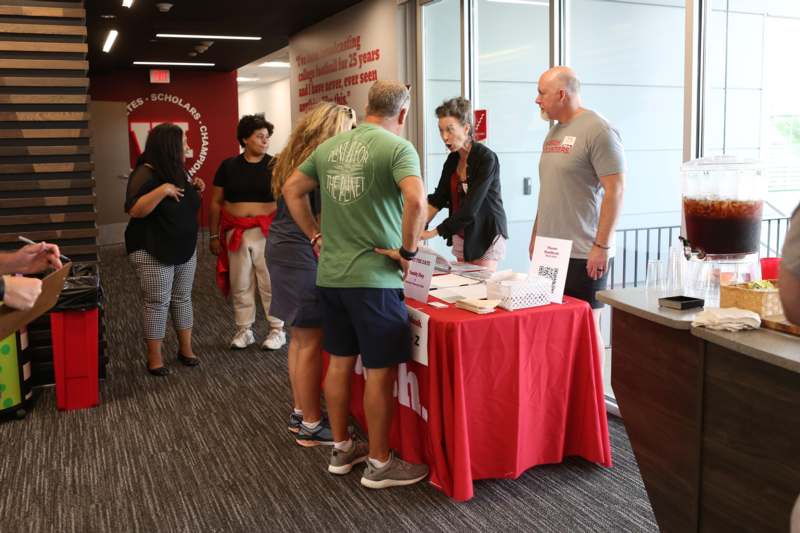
point(164, 288)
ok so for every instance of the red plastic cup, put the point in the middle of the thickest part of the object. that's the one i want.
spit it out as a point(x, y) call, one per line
point(769, 267)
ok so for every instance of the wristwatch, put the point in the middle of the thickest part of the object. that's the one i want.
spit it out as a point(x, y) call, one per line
point(405, 254)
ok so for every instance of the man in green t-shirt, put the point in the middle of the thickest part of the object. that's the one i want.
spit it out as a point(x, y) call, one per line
point(373, 212)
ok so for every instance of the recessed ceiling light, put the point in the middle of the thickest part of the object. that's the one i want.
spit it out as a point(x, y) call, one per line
point(245, 78)
point(208, 37)
point(275, 64)
point(127, 3)
point(110, 38)
point(174, 63)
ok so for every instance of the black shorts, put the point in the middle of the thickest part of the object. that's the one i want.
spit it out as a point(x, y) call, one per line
point(580, 285)
point(295, 297)
point(370, 322)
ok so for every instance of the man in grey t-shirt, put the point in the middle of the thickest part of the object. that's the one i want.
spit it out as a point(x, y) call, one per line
point(581, 175)
point(789, 281)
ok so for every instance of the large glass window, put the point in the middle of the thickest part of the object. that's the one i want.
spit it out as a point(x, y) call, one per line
point(441, 37)
point(630, 59)
point(752, 109)
point(512, 49)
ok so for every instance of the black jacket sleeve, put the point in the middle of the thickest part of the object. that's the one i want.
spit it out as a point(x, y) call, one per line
point(440, 198)
point(485, 170)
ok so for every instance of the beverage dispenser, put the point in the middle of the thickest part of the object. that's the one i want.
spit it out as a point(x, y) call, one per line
point(723, 200)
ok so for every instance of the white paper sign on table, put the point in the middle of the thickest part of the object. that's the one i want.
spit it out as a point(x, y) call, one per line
point(445, 281)
point(551, 260)
point(419, 335)
point(454, 294)
point(418, 281)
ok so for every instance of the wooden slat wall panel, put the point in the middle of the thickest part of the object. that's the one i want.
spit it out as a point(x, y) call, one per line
point(45, 64)
point(54, 234)
point(46, 99)
point(44, 167)
point(43, 150)
point(46, 192)
point(42, 29)
point(57, 133)
point(42, 116)
point(29, 81)
point(45, 201)
point(36, 11)
point(47, 218)
point(36, 46)
point(85, 250)
point(43, 185)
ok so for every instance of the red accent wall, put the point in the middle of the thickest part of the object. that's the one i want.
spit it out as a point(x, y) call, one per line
point(204, 104)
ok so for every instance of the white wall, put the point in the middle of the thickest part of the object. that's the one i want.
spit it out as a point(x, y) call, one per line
point(358, 43)
point(274, 100)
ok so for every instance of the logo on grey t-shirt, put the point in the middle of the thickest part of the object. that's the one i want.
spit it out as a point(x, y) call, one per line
point(345, 178)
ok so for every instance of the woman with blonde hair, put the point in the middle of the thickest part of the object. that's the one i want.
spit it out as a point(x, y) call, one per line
point(293, 269)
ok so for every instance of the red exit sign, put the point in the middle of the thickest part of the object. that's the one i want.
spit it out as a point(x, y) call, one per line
point(481, 129)
point(159, 76)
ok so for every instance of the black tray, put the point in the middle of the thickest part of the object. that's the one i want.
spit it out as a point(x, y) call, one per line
point(680, 303)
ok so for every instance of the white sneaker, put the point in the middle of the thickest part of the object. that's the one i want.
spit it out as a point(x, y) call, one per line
point(244, 337)
point(275, 340)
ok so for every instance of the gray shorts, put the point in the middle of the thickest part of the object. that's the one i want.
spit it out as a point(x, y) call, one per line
point(295, 297)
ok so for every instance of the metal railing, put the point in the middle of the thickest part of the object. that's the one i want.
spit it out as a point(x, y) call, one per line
point(637, 246)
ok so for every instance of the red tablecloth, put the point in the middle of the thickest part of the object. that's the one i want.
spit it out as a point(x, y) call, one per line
point(502, 393)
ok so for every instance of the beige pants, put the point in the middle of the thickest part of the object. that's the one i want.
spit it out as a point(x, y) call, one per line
point(248, 268)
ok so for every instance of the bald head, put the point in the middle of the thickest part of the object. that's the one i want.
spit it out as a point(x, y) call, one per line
point(562, 78)
point(559, 94)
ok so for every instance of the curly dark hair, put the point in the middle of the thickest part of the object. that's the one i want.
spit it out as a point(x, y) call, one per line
point(458, 108)
point(250, 123)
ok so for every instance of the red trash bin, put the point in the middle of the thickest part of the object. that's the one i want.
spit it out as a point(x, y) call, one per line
point(75, 346)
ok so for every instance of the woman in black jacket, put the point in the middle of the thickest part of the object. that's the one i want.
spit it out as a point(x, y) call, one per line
point(161, 241)
point(470, 188)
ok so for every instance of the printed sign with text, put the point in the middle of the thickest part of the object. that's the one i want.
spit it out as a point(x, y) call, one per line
point(418, 280)
point(418, 322)
point(551, 260)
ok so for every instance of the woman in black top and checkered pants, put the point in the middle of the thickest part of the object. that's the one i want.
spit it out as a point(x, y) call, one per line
point(161, 241)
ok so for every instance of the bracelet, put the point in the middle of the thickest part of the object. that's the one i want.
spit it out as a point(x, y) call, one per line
point(215, 236)
point(601, 246)
point(405, 254)
point(315, 238)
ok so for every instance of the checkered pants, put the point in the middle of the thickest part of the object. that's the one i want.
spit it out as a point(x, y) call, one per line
point(164, 287)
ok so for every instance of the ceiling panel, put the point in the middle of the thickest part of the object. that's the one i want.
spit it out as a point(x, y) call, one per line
point(274, 21)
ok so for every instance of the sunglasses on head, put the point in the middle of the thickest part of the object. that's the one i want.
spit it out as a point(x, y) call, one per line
point(350, 113)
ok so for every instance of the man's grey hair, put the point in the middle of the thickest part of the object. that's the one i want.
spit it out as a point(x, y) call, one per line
point(387, 98)
point(569, 81)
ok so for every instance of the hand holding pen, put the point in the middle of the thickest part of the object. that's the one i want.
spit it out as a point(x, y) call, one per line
point(36, 257)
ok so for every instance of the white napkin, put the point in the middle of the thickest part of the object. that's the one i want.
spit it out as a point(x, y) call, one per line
point(727, 318)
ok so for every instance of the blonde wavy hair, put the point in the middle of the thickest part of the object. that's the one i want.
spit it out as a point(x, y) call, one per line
point(325, 120)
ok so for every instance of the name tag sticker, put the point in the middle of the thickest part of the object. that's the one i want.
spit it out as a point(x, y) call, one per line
point(568, 141)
